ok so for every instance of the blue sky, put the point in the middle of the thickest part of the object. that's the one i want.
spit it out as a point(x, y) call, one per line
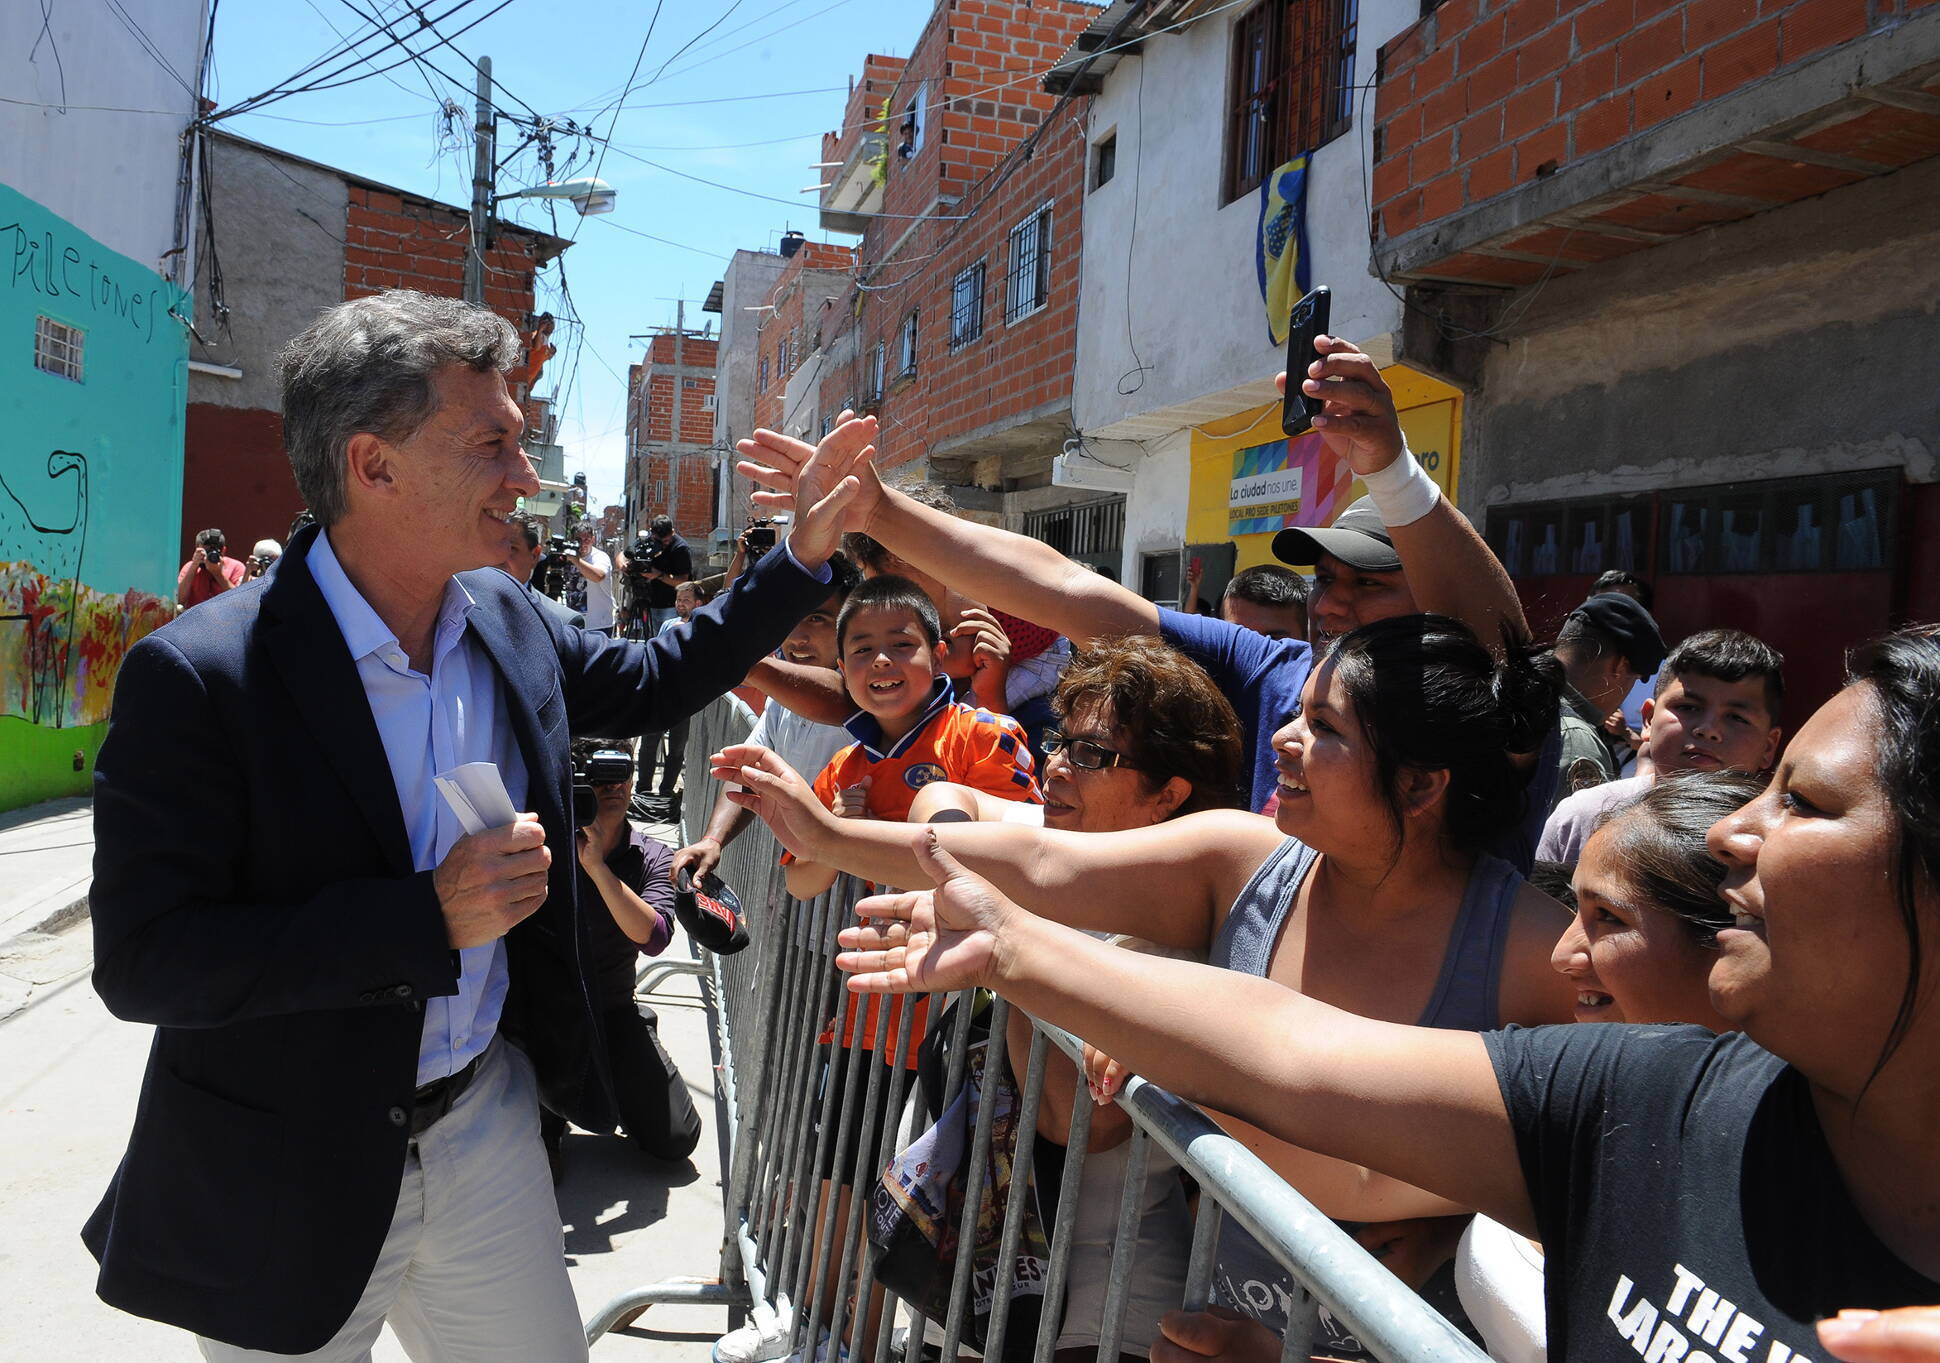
point(571, 58)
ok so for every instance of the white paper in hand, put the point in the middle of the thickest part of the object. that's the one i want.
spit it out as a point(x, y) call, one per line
point(476, 794)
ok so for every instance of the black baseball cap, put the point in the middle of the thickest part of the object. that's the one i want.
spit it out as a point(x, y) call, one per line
point(1625, 622)
point(1358, 537)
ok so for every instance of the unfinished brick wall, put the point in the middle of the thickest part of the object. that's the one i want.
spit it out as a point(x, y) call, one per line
point(1012, 370)
point(397, 243)
point(815, 274)
point(1483, 95)
point(676, 481)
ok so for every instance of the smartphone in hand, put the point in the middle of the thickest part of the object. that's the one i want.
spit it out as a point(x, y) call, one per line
point(1310, 320)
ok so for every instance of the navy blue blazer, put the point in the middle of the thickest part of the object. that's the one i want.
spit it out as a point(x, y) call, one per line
point(254, 899)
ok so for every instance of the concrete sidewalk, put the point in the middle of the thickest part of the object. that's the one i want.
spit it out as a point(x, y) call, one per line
point(69, 1075)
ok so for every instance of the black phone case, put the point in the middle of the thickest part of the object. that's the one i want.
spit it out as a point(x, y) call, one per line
point(1310, 319)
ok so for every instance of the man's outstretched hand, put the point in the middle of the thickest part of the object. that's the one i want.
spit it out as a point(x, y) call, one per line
point(1359, 422)
point(934, 940)
point(832, 487)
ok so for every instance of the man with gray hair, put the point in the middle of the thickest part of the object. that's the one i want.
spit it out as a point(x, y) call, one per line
point(358, 1005)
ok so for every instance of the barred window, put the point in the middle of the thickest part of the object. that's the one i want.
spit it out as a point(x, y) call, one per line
point(761, 383)
point(1030, 266)
point(878, 358)
point(906, 348)
point(1292, 88)
point(58, 348)
point(966, 306)
point(828, 424)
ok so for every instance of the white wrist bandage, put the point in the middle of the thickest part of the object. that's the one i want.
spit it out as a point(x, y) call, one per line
point(1403, 492)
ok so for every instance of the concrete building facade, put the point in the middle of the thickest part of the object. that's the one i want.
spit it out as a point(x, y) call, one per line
point(737, 298)
point(1658, 244)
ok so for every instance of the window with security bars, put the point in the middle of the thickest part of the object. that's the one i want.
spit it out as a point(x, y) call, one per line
point(906, 348)
point(878, 359)
point(1292, 85)
point(58, 348)
point(966, 306)
point(828, 424)
point(761, 382)
point(1030, 266)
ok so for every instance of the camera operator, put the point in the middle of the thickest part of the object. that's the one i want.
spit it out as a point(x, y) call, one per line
point(756, 539)
point(631, 876)
point(209, 572)
point(596, 567)
point(265, 553)
point(660, 561)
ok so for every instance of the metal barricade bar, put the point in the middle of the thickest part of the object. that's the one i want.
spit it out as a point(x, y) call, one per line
point(788, 1120)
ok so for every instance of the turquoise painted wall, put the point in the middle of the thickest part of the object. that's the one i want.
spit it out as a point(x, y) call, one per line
point(90, 488)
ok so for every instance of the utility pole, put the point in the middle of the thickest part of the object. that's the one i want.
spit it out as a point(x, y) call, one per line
point(484, 141)
point(680, 385)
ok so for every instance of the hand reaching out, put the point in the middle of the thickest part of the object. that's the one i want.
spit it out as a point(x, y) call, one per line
point(832, 486)
point(1910, 1334)
point(776, 793)
point(1358, 423)
point(936, 940)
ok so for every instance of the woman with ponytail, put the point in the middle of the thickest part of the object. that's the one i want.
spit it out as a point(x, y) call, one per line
point(1371, 888)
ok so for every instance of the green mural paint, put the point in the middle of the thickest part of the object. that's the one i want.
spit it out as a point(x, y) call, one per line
point(90, 482)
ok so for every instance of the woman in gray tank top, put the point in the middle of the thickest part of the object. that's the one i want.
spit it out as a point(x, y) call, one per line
point(1369, 889)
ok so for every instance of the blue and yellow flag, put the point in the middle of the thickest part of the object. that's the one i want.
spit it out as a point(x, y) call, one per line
point(1283, 244)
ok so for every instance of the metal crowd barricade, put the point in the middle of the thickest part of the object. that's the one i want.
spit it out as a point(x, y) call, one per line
point(770, 1005)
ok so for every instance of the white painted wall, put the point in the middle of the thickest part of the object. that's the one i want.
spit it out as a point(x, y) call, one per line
point(98, 141)
point(1155, 508)
point(1191, 297)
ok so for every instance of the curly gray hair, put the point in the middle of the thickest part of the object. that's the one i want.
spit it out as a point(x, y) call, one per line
point(366, 366)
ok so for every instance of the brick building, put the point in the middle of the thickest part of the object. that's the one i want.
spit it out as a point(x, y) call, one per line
point(293, 237)
point(1650, 237)
point(958, 329)
point(671, 464)
point(796, 316)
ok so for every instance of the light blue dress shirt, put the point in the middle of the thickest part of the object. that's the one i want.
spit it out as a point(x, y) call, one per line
point(428, 725)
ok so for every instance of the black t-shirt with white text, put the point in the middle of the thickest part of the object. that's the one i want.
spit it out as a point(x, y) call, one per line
point(1685, 1197)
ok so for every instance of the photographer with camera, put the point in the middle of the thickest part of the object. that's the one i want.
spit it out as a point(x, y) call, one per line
point(209, 572)
point(596, 566)
point(658, 562)
point(631, 875)
point(265, 553)
point(525, 553)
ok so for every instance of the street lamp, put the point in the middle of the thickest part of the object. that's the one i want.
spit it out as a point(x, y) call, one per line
point(587, 193)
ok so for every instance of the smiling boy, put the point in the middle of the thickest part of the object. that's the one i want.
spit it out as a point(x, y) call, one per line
point(1717, 707)
point(909, 732)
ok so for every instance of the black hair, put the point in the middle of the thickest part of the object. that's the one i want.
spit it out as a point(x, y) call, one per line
point(1617, 579)
point(1428, 695)
point(1267, 584)
point(889, 592)
point(660, 525)
point(1660, 842)
point(1902, 673)
point(206, 538)
point(869, 552)
point(843, 575)
point(584, 747)
point(1553, 879)
point(1728, 655)
point(527, 526)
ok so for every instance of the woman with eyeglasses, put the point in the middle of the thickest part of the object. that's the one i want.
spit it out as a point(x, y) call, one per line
point(1142, 735)
point(1370, 890)
point(1769, 1194)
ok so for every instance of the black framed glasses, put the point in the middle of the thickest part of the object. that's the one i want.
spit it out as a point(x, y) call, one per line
point(1082, 753)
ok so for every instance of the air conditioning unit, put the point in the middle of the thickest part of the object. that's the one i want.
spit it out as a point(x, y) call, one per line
point(1075, 470)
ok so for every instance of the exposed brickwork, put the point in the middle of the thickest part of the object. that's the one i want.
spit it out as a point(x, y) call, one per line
point(669, 473)
point(801, 319)
point(397, 243)
point(969, 54)
point(1481, 96)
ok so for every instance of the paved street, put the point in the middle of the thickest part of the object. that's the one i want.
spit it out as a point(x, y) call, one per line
point(69, 1072)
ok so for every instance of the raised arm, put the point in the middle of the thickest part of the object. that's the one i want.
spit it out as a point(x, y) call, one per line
point(812, 692)
point(1016, 574)
point(1449, 569)
point(1309, 1074)
point(1170, 883)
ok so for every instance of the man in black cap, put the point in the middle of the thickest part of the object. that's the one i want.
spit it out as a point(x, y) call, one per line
point(1606, 645)
point(1357, 572)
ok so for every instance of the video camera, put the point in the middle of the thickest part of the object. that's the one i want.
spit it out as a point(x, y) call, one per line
point(552, 572)
point(603, 767)
point(759, 537)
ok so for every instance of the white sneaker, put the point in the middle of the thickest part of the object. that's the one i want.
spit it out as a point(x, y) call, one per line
point(750, 1344)
point(822, 1353)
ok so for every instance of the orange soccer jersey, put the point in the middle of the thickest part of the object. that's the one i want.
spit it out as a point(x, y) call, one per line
point(951, 742)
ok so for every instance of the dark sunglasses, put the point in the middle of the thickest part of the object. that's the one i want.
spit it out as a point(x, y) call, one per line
point(1082, 752)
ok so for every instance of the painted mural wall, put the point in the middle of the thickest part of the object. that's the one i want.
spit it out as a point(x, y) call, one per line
point(90, 489)
point(1249, 481)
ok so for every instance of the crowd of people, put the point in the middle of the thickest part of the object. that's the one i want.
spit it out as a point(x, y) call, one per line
point(1420, 849)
